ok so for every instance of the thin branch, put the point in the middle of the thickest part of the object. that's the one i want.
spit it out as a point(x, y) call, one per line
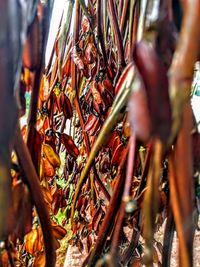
point(117, 33)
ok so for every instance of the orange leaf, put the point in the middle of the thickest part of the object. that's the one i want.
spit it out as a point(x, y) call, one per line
point(4, 259)
point(44, 89)
point(49, 170)
point(39, 260)
point(92, 125)
point(22, 210)
point(31, 240)
point(47, 196)
point(137, 262)
point(50, 154)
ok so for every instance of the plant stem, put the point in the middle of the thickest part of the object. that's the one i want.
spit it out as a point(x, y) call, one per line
point(150, 203)
point(145, 169)
point(182, 192)
point(110, 214)
point(168, 239)
point(126, 197)
point(131, 25)
point(32, 180)
point(124, 15)
point(100, 31)
point(117, 33)
point(182, 67)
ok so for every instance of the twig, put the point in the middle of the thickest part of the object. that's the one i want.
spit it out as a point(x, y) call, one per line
point(100, 31)
point(126, 196)
point(118, 37)
point(150, 205)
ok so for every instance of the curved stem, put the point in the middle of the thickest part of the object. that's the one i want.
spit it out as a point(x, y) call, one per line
point(182, 67)
point(44, 26)
point(32, 181)
point(182, 189)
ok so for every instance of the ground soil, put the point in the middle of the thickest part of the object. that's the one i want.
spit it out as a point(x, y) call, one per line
point(68, 256)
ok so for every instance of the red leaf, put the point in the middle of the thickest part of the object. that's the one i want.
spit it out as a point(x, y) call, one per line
point(139, 114)
point(123, 77)
point(65, 72)
point(154, 75)
point(137, 262)
point(92, 125)
point(112, 139)
point(108, 85)
point(91, 120)
point(117, 154)
point(35, 146)
point(68, 142)
point(106, 95)
point(67, 107)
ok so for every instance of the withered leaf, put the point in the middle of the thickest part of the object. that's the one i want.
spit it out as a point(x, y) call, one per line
point(58, 231)
point(89, 243)
point(39, 260)
point(51, 155)
point(33, 242)
point(68, 142)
